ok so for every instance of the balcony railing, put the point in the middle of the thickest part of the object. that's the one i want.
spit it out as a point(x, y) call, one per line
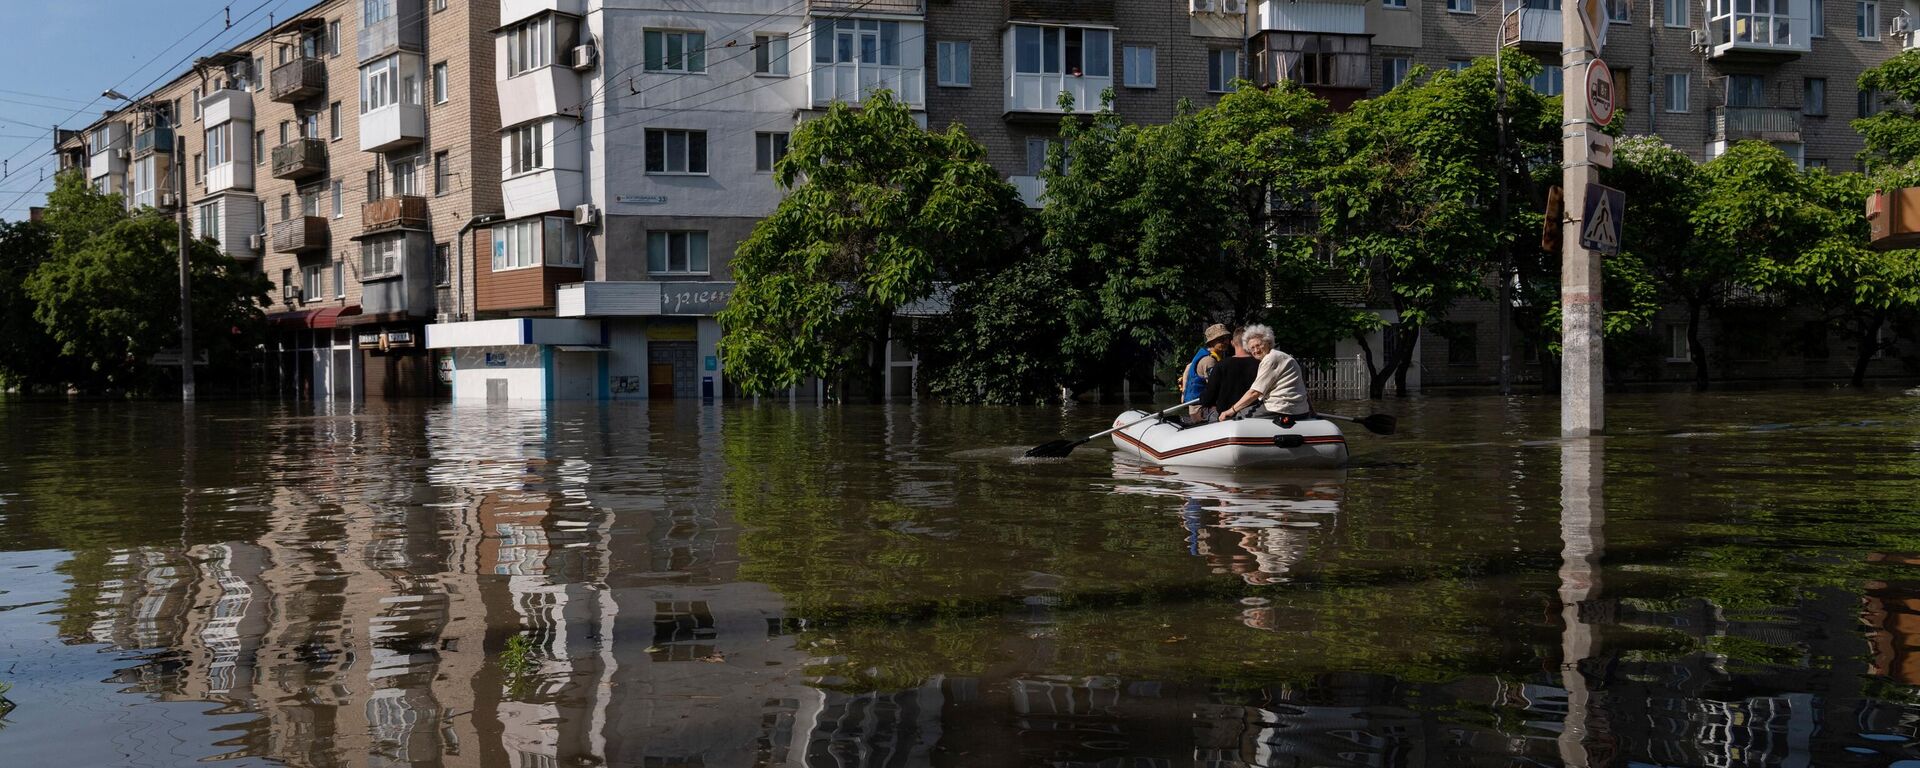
point(151, 140)
point(400, 31)
point(300, 158)
point(298, 80)
point(300, 235)
point(1346, 18)
point(1532, 28)
point(398, 212)
point(1763, 123)
point(869, 6)
point(850, 83)
point(1040, 92)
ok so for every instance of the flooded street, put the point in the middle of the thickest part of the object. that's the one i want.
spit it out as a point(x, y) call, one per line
point(1727, 579)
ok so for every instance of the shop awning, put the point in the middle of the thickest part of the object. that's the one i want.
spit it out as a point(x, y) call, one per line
point(325, 317)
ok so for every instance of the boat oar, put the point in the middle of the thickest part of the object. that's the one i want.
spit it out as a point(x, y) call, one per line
point(1059, 448)
point(1378, 423)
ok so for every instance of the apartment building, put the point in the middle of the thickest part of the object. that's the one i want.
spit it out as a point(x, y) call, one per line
point(345, 154)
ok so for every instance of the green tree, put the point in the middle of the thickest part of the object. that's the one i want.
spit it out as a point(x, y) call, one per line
point(1663, 187)
point(108, 297)
point(29, 358)
point(877, 210)
point(1892, 135)
point(1407, 197)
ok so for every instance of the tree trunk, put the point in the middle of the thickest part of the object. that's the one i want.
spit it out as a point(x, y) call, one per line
point(1868, 346)
point(1377, 377)
point(1694, 350)
point(877, 360)
point(1403, 354)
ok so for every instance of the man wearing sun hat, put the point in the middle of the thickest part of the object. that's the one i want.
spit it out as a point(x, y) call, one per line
point(1218, 343)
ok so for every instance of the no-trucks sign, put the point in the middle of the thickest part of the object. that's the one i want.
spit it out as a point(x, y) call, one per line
point(1600, 101)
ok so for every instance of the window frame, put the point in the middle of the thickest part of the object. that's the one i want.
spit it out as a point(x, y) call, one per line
point(1817, 18)
point(666, 239)
point(442, 265)
point(382, 257)
point(1215, 68)
point(1464, 7)
point(765, 62)
point(1389, 78)
point(312, 285)
point(1809, 105)
point(951, 57)
point(1866, 19)
point(1667, 18)
point(439, 78)
point(693, 52)
point(524, 149)
point(1685, 91)
point(530, 45)
point(770, 146)
point(1128, 66)
point(442, 174)
point(665, 150)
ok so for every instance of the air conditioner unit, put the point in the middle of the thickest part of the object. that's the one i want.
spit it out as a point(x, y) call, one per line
point(1900, 27)
point(585, 215)
point(123, 153)
point(257, 242)
point(289, 293)
point(166, 200)
point(1698, 40)
point(584, 57)
point(1233, 6)
point(1202, 6)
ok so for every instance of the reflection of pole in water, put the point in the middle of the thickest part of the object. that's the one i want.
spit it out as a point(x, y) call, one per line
point(1583, 514)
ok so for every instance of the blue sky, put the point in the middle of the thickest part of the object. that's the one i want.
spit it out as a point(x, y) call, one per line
point(60, 54)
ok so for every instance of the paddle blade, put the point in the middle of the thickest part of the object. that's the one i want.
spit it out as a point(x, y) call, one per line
point(1054, 449)
point(1380, 423)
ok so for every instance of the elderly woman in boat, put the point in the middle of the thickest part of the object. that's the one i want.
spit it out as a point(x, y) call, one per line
point(1279, 387)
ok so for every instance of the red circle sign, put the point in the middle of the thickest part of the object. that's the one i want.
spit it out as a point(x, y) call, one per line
point(1600, 97)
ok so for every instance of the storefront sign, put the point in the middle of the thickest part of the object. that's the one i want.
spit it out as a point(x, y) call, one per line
point(367, 340)
point(713, 363)
point(701, 299)
point(399, 338)
point(496, 360)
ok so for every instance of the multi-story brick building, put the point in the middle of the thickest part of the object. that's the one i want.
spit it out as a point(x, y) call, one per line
point(345, 154)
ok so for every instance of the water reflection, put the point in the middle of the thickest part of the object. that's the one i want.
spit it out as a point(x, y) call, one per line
point(800, 587)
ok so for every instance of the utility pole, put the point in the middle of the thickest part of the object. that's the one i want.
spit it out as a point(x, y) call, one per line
point(1504, 313)
point(1582, 361)
point(186, 272)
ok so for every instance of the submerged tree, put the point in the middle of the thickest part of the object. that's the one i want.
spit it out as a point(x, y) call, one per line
point(878, 209)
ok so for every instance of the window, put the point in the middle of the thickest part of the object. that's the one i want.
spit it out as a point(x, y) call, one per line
point(310, 125)
point(256, 78)
point(286, 281)
point(286, 207)
point(1396, 4)
point(440, 170)
point(677, 253)
point(1223, 67)
point(199, 167)
point(333, 38)
point(529, 45)
point(1677, 349)
point(143, 181)
point(1814, 96)
point(953, 64)
point(312, 283)
point(1746, 91)
point(1394, 69)
point(513, 245)
point(770, 54)
point(1457, 65)
point(286, 130)
point(1460, 6)
point(1138, 68)
point(339, 279)
point(339, 190)
point(208, 221)
point(1463, 345)
point(374, 190)
point(1676, 14)
point(1618, 12)
point(864, 41)
point(672, 151)
point(310, 201)
point(374, 11)
point(523, 243)
point(1677, 96)
point(1817, 13)
point(380, 258)
point(403, 178)
point(1056, 50)
point(1622, 95)
point(560, 250)
point(1866, 19)
point(379, 86)
point(440, 83)
point(333, 121)
point(526, 148)
point(1868, 103)
point(1549, 81)
point(259, 147)
point(1817, 162)
point(442, 264)
point(219, 145)
point(1038, 150)
point(672, 51)
point(196, 103)
point(768, 148)
point(439, 5)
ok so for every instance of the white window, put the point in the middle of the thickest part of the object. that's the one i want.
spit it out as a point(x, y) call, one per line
point(1677, 92)
point(339, 190)
point(560, 248)
point(674, 151)
point(312, 283)
point(310, 126)
point(208, 221)
point(440, 83)
point(333, 121)
point(677, 253)
point(1676, 14)
point(374, 11)
point(519, 244)
point(1460, 6)
point(333, 37)
point(442, 182)
point(340, 279)
point(379, 84)
point(1677, 349)
point(1618, 12)
point(1399, 4)
point(143, 182)
point(1866, 19)
point(1394, 69)
point(196, 103)
point(1069, 50)
point(403, 178)
point(953, 65)
point(768, 148)
point(529, 45)
point(770, 54)
point(310, 201)
point(1817, 13)
point(260, 145)
point(849, 41)
point(219, 145)
point(439, 5)
point(1223, 67)
point(677, 51)
point(525, 148)
point(1138, 67)
point(1550, 81)
point(380, 258)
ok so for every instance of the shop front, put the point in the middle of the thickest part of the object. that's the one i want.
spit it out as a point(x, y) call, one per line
point(524, 359)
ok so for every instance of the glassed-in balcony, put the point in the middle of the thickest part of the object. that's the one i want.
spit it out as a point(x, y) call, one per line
point(855, 57)
point(300, 234)
point(1771, 124)
point(300, 158)
point(1044, 62)
point(151, 140)
point(298, 80)
point(1758, 30)
point(1342, 18)
point(1532, 25)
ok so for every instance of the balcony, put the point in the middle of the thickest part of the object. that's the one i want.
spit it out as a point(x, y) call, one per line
point(151, 140)
point(512, 11)
point(850, 83)
point(913, 7)
point(392, 127)
point(1758, 36)
point(301, 234)
point(298, 80)
point(1770, 124)
point(224, 105)
point(300, 158)
point(398, 212)
point(1532, 29)
point(1324, 17)
point(402, 30)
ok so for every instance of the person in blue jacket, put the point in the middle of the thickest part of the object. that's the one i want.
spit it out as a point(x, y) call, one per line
point(1193, 380)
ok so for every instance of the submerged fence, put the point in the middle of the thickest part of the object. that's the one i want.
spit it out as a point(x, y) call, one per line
point(1343, 378)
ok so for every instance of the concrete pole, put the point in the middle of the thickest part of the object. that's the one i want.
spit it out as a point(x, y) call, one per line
point(1582, 369)
point(186, 273)
point(1583, 539)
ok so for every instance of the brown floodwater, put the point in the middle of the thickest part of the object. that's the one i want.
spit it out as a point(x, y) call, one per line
point(1726, 579)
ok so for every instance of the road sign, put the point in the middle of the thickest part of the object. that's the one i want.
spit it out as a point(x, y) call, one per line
point(1599, 148)
point(1600, 101)
point(1593, 16)
point(1600, 221)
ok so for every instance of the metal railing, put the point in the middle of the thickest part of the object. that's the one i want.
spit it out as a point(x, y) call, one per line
point(300, 158)
point(300, 234)
point(1764, 123)
point(299, 79)
point(158, 139)
point(394, 212)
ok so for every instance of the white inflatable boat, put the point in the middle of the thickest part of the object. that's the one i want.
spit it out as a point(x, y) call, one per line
point(1315, 443)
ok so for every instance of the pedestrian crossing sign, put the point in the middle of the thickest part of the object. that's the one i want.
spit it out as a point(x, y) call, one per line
point(1600, 221)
